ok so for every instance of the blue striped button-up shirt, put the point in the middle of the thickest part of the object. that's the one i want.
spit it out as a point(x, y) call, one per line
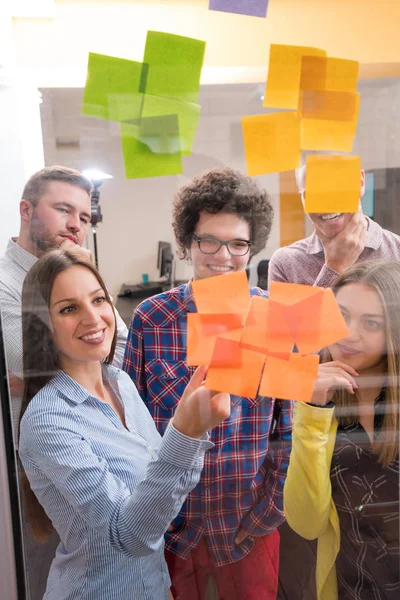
point(110, 491)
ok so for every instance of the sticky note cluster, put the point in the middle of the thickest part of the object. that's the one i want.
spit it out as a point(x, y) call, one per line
point(320, 92)
point(155, 101)
point(248, 341)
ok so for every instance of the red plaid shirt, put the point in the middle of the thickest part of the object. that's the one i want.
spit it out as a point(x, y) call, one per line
point(243, 475)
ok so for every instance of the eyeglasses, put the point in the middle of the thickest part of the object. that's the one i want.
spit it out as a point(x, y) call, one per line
point(211, 245)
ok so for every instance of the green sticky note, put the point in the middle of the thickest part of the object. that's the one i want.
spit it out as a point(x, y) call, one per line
point(113, 88)
point(188, 115)
point(174, 65)
point(161, 134)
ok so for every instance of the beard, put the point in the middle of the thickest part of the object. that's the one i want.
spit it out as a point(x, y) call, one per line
point(40, 236)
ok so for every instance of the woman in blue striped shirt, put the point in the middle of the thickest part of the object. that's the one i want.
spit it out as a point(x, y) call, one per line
point(97, 466)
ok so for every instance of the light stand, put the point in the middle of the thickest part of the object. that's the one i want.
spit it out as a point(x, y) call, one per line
point(96, 216)
point(97, 178)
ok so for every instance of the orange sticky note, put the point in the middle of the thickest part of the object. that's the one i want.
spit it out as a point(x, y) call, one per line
point(227, 353)
point(223, 294)
point(266, 327)
point(284, 72)
point(305, 322)
point(334, 74)
point(240, 381)
point(202, 332)
point(335, 135)
point(312, 314)
point(292, 379)
point(333, 326)
point(332, 184)
point(322, 104)
point(291, 293)
point(271, 142)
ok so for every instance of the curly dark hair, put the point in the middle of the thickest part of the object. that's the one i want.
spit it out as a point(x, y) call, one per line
point(222, 190)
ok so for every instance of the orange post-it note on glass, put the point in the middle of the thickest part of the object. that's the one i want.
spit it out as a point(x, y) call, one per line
point(334, 106)
point(240, 381)
point(284, 72)
point(333, 326)
point(292, 379)
point(227, 353)
point(317, 322)
point(223, 294)
point(271, 142)
point(312, 314)
point(327, 134)
point(291, 293)
point(202, 331)
point(304, 321)
point(266, 327)
point(333, 74)
point(333, 184)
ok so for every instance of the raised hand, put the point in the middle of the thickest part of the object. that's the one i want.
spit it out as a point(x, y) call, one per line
point(331, 376)
point(200, 409)
point(83, 253)
point(343, 250)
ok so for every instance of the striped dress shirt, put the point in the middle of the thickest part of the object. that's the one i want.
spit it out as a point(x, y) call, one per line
point(244, 473)
point(110, 491)
point(304, 261)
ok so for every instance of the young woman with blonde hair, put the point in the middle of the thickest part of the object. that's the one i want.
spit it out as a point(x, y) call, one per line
point(342, 486)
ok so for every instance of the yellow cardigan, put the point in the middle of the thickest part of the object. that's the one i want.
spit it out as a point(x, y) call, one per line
point(309, 508)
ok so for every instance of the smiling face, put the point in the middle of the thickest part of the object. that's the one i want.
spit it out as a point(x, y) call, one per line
point(63, 211)
point(362, 309)
point(83, 320)
point(223, 227)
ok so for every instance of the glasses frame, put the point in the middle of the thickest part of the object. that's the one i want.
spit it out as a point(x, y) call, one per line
point(221, 243)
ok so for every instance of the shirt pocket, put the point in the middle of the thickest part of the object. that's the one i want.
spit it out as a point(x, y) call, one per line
point(166, 381)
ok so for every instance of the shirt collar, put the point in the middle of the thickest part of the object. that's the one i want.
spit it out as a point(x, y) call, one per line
point(22, 257)
point(188, 298)
point(74, 391)
point(374, 239)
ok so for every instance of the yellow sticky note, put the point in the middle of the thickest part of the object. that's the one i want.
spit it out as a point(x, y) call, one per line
point(320, 134)
point(271, 142)
point(284, 72)
point(341, 75)
point(333, 74)
point(332, 184)
point(324, 104)
point(313, 73)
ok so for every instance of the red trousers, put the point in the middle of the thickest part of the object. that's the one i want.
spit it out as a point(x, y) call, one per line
point(255, 577)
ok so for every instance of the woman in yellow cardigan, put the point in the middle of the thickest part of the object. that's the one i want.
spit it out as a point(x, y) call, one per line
point(342, 486)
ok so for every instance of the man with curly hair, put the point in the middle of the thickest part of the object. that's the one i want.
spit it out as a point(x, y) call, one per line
point(227, 528)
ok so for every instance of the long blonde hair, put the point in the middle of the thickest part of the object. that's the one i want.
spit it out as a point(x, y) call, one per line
point(384, 278)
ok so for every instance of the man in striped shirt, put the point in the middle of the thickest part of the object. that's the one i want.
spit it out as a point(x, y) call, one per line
point(227, 528)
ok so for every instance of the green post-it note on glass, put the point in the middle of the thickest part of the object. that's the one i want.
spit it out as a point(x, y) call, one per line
point(188, 115)
point(161, 134)
point(175, 64)
point(113, 88)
